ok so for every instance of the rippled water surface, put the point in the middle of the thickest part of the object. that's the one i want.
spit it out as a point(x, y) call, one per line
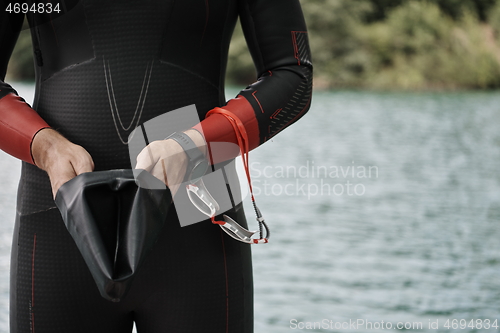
point(383, 207)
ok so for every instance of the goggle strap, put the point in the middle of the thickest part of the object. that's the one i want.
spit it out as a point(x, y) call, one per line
point(242, 138)
point(236, 231)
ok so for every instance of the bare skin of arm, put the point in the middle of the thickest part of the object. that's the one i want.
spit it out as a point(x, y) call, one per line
point(64, 160)
point(166, 160)
point(60, 158)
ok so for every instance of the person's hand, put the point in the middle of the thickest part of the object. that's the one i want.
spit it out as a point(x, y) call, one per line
point(167, 161)
point(60, 158)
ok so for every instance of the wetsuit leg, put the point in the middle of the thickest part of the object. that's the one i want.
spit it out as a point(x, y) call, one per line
point(197, 279)
point(52, 289)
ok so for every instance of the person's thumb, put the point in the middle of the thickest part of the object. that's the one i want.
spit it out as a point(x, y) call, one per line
point(82, 162)
point(145, 159)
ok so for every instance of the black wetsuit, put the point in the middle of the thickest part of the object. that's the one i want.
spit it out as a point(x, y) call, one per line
point(196, 279)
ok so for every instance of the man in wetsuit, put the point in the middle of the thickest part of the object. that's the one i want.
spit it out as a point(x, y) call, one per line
point(103, 67)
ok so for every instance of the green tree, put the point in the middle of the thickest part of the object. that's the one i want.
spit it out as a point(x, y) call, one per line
point(453, 8)
point(377, 44)
point(419, 46)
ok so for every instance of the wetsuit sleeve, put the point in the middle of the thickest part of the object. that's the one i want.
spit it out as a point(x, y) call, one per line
point(18, 121)
point(277, 37)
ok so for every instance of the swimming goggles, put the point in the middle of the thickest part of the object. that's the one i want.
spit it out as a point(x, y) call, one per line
point(201, 198)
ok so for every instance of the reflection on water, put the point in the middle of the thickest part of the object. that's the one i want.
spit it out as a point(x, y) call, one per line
point(383, 207)
point(421, 242)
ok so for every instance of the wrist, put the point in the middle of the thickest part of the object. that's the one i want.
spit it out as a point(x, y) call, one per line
point(44, 141)
point(198, 140)
point(197, 163)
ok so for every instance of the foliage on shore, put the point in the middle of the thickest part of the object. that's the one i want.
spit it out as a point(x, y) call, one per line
point(379, 44)
point(397, 44)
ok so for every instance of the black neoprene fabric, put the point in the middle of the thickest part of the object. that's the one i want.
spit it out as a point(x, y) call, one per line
point(102, 68)
point(115, 218)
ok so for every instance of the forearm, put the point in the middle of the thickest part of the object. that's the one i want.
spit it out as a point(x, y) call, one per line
point(216, 129)
point(19, 124)
point(265, 108)
point(278, 41)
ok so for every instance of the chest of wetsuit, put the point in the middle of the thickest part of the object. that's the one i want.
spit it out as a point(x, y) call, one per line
point(103, 67)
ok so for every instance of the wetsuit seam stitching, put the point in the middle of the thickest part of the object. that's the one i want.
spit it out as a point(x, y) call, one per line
point(36, 212)
point(67, 68)
point(255, 40)
point(222, 74)
point(190, 72)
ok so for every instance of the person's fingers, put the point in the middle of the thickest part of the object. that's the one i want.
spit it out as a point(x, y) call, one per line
point(146, 159)
point(169, 173)
point(174, 189)
point(82, 162)
point(60, 175)
point(66, 164)
point(158, 172)
point(165, 160)
point(60, 158)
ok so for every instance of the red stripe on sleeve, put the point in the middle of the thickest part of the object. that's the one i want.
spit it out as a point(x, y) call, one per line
point(217, 128)
point(18, 125)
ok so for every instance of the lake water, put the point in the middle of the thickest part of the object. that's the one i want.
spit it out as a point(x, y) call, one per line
point(384, 209)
